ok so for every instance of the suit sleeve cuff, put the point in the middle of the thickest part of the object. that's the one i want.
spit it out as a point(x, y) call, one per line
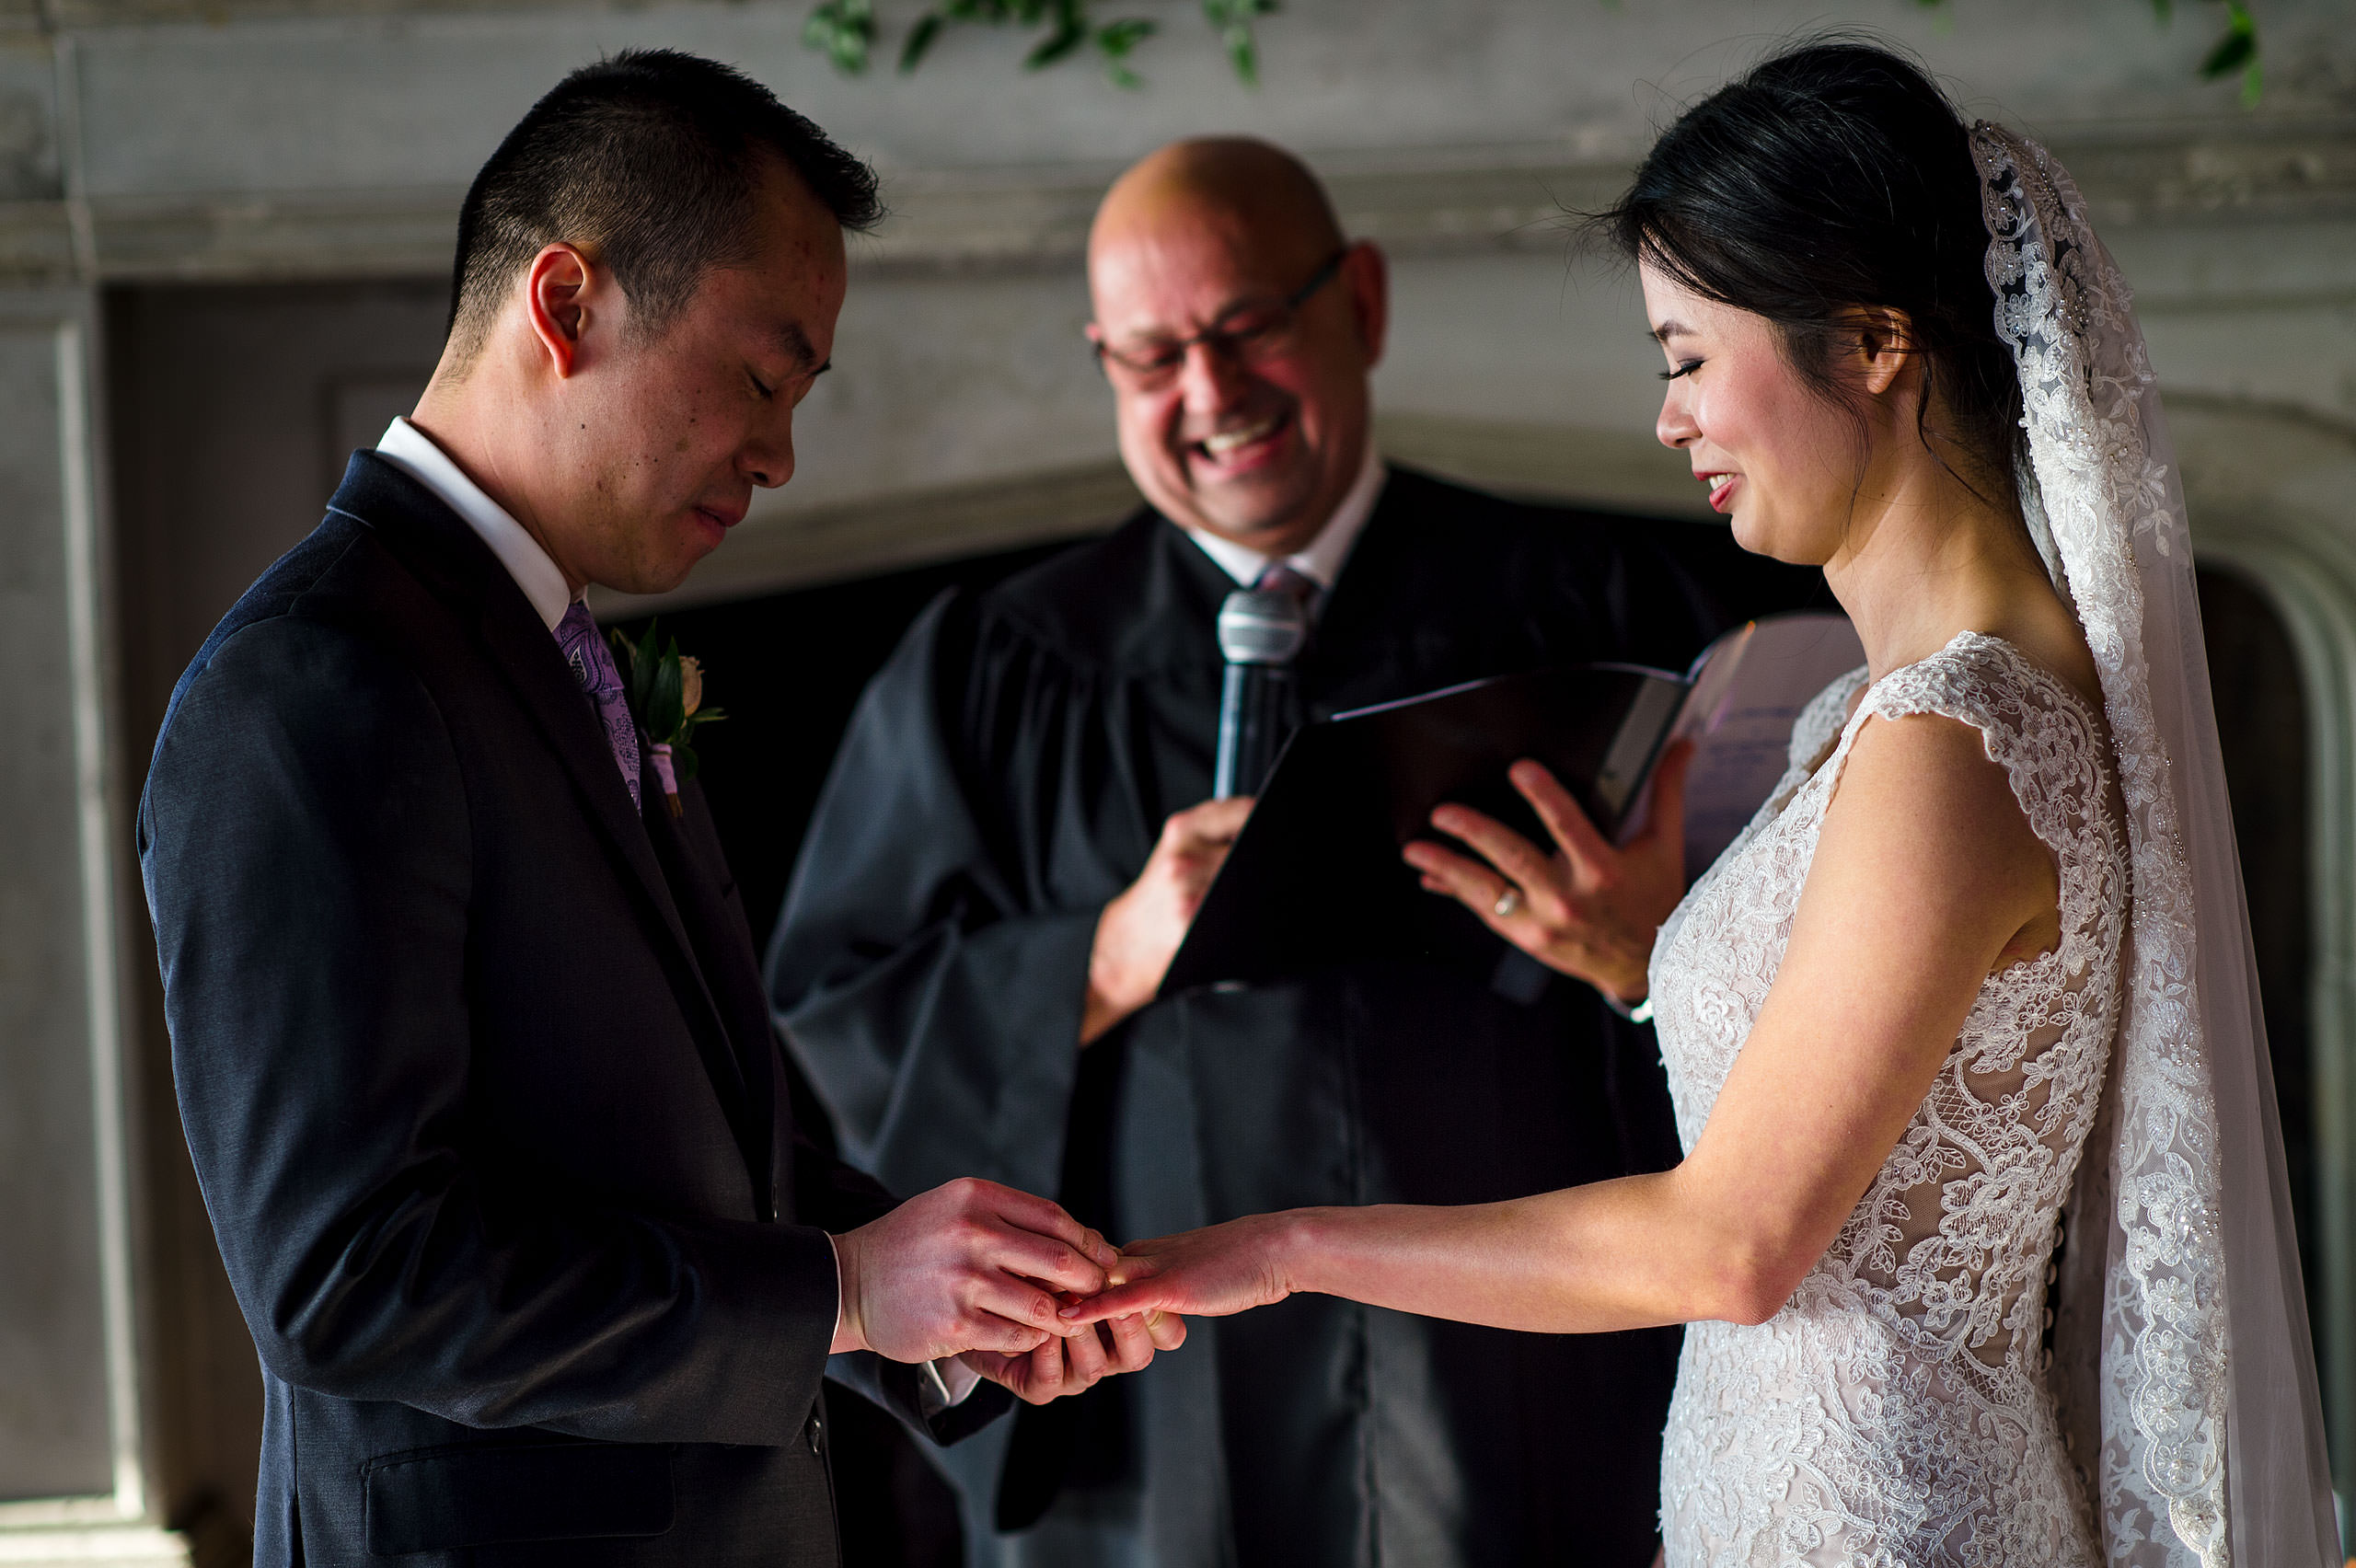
point(944, 1384)
point(837, 1249)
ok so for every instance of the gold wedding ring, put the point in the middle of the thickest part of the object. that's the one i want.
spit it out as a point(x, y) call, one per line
point(1509, 903)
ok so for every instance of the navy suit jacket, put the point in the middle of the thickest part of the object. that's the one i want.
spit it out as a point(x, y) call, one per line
point(480, 1083)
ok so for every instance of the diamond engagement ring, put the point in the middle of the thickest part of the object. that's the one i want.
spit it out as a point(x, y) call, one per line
point(1508, 903)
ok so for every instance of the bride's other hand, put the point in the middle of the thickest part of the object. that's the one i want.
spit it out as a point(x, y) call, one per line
point(1588, 908)
point(1213, 1272)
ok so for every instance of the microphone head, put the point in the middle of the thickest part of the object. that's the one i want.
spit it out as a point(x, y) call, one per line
point(1262, 628)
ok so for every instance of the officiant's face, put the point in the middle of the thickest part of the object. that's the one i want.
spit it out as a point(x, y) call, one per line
point(1238, 413)
point(664, 437)
point(1779, 460)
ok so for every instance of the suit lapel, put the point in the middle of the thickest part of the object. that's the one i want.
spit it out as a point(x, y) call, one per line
point(448, 557)
point(689, 849)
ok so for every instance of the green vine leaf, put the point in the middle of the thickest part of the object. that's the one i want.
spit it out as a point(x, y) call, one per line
point(847, 32)
point(920, 38)
point(1071, 31)
point(844, 32)
point(1232, 21)
point(2237, 50)
point(1115, 41)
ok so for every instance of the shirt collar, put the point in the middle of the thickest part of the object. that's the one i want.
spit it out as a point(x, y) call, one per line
point(1322, 559)
point(411, 450)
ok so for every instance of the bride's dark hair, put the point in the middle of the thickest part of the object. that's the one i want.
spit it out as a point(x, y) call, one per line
point(1832, 176)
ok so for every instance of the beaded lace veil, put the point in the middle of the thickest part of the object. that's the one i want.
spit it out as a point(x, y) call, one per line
point(2182, 1360)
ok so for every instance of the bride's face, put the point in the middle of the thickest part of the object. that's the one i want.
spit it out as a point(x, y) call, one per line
point(1779, 461)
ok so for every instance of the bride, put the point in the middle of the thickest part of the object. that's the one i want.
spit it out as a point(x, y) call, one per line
point(1981, 1225)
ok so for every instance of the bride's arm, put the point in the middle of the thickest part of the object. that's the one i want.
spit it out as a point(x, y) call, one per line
point(1925, 877)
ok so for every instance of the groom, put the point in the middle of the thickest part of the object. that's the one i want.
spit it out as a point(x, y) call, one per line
point(468, 1035)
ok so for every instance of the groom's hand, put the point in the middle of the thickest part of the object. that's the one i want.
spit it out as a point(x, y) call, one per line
point(1071, 1365)
point(970, 1266)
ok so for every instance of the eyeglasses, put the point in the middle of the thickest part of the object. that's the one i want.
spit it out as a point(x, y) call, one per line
point(1248, 333)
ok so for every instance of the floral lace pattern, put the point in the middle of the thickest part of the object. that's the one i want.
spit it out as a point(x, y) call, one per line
point(1896, 1410)
point(2098, 496)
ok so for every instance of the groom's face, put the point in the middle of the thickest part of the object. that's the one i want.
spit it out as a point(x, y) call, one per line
point(662, 439)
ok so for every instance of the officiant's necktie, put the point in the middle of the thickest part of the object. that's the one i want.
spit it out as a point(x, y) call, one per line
point(593, 665)
point(1283, 579)
point(1304, 590)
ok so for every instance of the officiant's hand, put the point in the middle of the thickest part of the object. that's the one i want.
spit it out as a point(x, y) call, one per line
point(1072, 1366)
point(1139, 932)
point(969, 1265)
point(1588, 909)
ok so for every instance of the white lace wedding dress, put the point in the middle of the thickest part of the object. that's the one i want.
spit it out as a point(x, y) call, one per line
point(1896, 1410)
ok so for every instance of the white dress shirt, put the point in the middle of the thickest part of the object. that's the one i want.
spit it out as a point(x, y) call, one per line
point(411, 450)
point(1322, 559)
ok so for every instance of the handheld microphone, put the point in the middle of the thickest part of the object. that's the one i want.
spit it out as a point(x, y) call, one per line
point(1260, 631)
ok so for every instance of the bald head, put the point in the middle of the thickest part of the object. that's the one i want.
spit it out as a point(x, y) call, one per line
point(1237, 327)
point(1260, 195)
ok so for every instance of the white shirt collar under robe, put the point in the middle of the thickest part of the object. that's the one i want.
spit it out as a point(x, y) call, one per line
point(1322, 559)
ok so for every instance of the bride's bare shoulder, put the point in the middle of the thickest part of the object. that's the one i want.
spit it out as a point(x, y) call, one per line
point(1921, 804)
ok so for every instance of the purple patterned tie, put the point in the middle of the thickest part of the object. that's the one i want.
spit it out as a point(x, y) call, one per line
point(593, 665)
point(1282, 579)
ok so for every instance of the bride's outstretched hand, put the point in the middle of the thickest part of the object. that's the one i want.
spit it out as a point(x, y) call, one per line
point(1588, 908)
point(1213, 1272)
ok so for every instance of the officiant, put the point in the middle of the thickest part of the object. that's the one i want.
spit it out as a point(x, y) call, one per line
point(1017, 831)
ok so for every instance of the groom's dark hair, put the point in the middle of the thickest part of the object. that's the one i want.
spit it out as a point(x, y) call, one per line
point(654, 157)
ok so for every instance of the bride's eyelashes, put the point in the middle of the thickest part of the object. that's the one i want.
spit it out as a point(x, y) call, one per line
point(1686, 368)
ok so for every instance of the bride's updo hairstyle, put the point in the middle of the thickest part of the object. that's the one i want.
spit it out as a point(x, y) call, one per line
point(1833, 175)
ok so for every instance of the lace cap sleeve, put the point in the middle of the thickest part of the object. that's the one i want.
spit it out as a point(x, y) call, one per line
point(2031, 724)
point(1821, 723)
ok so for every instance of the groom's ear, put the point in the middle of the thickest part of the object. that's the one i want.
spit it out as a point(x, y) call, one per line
point(557, 287)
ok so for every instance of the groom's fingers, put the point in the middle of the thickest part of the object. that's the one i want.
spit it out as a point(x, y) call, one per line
point(1166, 1329)
point(989, 1332)
point(991, 1295)
point(1013, 1373)
point(1031, 1256)
point(1045, 1217)
point(1043, 1241)
point(1133, 1346)
point(1042, 1373)
point(1085, 1359)
point(1135, 1299)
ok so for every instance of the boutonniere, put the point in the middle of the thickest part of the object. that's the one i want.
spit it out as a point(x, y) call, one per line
point(665, 693)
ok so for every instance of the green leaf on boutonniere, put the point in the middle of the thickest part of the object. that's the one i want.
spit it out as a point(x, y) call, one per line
point(665, 693)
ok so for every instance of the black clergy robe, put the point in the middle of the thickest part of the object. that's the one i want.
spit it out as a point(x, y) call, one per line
point(1006, 774)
